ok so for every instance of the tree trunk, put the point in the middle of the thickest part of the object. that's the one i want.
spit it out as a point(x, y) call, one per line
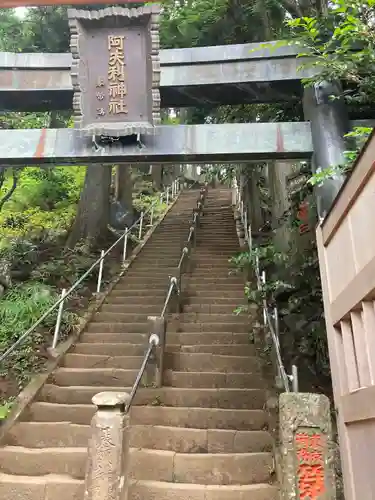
point(91, 222)
point(157, 176)
point(124, 186)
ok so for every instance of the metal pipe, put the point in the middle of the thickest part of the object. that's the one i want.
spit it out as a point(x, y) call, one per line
point(140, 227)
point(173, 283)
point(152, 342)
point(125, 246)
point(100, 272)
point(58, 319)
point(250, 238)
point(69, 292)
point(294, 379)
point(185, 251)
point(167, 195)
point(152, 215)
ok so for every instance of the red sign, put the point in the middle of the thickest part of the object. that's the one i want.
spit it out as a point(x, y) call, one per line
point(303, 217)
point(7, 4)
point(310, 468)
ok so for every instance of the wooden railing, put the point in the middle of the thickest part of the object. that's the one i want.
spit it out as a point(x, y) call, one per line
point(346, 246)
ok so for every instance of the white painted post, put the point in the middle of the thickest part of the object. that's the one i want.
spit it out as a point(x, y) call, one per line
point(125, 246)
point(140, 227)
point(58, 320)
point(152, 215)
point(101, 264)
point(167, 195)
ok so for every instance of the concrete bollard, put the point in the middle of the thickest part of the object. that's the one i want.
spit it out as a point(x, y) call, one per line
point(108, 449)
point(158, 326)
point(307, 459)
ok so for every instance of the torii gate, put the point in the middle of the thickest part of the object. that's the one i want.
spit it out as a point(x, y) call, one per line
point(214, 75)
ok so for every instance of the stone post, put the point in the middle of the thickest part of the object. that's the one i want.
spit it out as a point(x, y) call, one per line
point(158, 326)
point(307, 459)
point(329, 123)
point(108, 449)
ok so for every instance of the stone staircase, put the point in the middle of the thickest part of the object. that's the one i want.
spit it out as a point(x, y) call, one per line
point(203, 436)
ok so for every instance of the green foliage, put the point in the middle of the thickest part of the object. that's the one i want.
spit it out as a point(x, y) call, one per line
point(22, 306)
point(341, 45)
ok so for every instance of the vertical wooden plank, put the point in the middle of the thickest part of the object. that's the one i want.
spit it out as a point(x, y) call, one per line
point(368, 315)
point(360, 349)
point(349, 356)
point(339, 382)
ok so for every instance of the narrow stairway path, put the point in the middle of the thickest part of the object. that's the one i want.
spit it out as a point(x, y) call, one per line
point(203, 436)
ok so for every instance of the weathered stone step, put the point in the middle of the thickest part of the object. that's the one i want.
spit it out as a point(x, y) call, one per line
point(133, 300)
point(215, 326)
point(123, 349)
point(192, 317)
point(216, 294)
point(108, 349)
point(139, 293)
point(205, 468)
point(159, 437)
point(196, 418)
point(73, 360)
point(37, 462)
point(182, 338)
point(227, 307)
point(126, 338)
point(212, 380)
point(48, 487)
point(147, 490)
point(110, 327)
point(207, 362)
point(111, 377)
point(225, 349)
point(214, 298)
point(168, 396)
point(123, 307)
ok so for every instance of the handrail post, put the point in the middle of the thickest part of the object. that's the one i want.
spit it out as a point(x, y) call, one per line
point(108, 450)
point(152, 215)
point(167, 195)
point(294, 379)
point(158, 326)
point(58, 319)
point(100, 274)
point(176, 307)
point(125, 246)
point(140, 226)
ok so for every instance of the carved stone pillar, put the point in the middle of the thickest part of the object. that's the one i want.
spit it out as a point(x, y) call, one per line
point(329, 123)
point(108, 450)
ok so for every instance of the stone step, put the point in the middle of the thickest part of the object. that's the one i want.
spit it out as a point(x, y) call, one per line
point(108, 349)
point(147, 490)
point(182, 338)
point(111, 377)
point(122, 349)
point(123, 307)
point(224, 349)
point(205, 468)
point(36, 462)
point(210, 308)
point(135, 301)
point(187, 327)
point(192, 317)
point(212, 380)
point(199, 468)
point(125, 338)
point(235, 398)
point(139, 293)
point(45, 487)
point(73, 360)
point(195, 418)
point(158, 437)
point(204, 362)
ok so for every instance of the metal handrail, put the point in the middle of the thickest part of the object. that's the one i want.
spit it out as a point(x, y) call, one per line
point(154, 339)
point(75, 285)
point(273, 325)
